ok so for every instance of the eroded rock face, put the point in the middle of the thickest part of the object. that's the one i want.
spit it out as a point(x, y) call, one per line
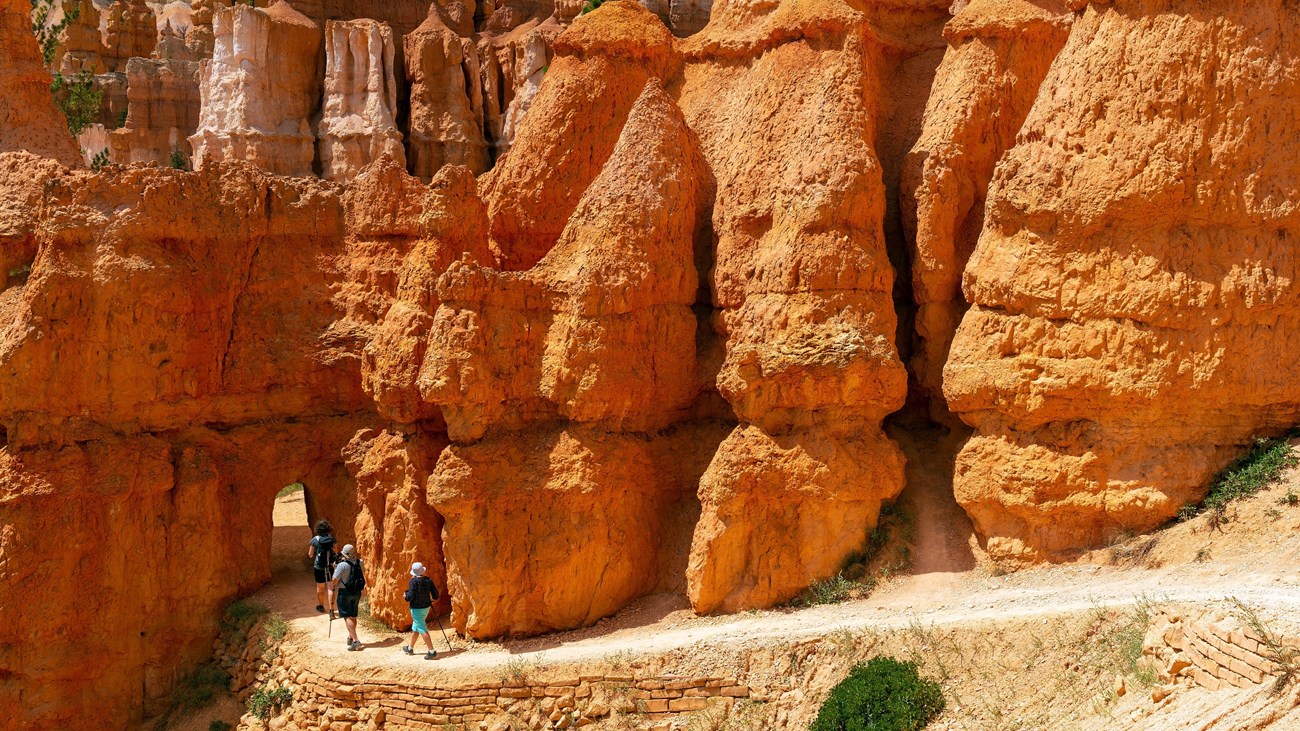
point(997, 56)
point(1131, 291)
point(359, 117)
point(189, 370)
point(162, 111)
point(81, 47)
point(130, 31)
point(29, 121)
point(445, 130)
point(255, 108)
point(801, 283)
point(603, 352)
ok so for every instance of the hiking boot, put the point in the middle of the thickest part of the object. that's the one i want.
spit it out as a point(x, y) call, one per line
point(407, 649)
point(354, 646)
point(430, 654)
point(320, 608)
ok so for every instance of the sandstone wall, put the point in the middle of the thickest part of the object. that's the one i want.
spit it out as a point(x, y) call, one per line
point(162, 111)
point(359, 115)
point(28, 118)
point(801, 285)
point(255, 107)
point(188, 371)
point(998, 53)
point(1131, 293)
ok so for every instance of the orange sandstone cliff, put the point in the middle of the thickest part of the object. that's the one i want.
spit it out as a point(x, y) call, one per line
point(575, 309)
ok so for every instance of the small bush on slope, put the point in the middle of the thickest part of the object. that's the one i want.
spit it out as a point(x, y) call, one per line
point(883, 694)
point(1250, 473)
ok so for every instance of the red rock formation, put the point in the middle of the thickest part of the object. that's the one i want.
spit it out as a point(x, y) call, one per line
point(28, 118)
point(162, 111)
point(189, 369)
point(81, 47)
point(359, 115)
point(998, 54)
point(444, 128)
point(1131, 291)
point(601, 358)
point(255, 108)
point(130, 31)
point(802, 286)
point(599, 72)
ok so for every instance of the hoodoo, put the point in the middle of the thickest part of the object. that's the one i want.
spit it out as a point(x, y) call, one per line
point(618, 314)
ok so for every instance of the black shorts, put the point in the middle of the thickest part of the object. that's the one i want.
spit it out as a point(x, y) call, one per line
point(348, 603)
point(322, 575)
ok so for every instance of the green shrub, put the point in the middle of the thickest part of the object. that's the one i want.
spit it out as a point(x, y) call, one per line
point(216, 725)
point(121, 119)
point(883, 694)
point(100, 159)
point(78, 98)
point(178, 162)
point(590, 5)
point(200, 688)
point(48, 37)
point(1250, 473)
point(276, 627)
point(239, 617)
point(265, 699)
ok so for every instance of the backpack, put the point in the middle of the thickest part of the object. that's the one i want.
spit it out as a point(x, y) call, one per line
point(325, 556)
point(356, 580)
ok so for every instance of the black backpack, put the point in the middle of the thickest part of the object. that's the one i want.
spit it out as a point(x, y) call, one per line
point(325, 556)
point(356, 580)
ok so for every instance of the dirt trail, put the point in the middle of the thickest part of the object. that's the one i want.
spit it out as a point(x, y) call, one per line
point(1265, 577)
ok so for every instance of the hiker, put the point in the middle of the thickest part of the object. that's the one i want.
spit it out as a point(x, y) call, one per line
point(323, 558)
point(349, 581)
point(420, 594)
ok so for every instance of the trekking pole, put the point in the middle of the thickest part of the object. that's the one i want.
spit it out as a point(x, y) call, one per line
point(444, 632)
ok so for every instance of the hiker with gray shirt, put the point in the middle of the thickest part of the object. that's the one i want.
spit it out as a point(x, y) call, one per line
point(349, 582)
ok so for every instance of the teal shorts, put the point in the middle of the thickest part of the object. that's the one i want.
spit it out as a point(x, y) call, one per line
point(417, 620)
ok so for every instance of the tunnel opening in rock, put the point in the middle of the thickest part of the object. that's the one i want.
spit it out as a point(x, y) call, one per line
point(290, 530)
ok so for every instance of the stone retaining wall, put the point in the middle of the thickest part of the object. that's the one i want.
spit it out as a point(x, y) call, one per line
point(1214, 650)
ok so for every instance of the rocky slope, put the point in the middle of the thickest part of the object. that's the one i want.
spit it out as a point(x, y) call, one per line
point(574, 309)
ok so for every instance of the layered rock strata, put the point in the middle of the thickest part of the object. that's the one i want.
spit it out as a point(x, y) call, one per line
point(81, 48)
point(189, 369)
point(29, 121)
point(162, 111)
point(130, 30)
point(358, 117)
point(802, 289)
point(254, 107)
point(998, 54)
point(1132, 290)
point(602, 359)
point(445, 130)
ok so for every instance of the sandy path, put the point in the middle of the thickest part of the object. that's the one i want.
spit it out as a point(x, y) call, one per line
point(664, 623)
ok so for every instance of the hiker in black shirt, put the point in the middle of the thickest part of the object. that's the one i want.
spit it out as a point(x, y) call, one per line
point(420, 593)
point(322, 555)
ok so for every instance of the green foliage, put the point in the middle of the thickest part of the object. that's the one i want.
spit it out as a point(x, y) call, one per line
point(78, 98)
point(1250, 473)
point(100, 159)
point(276, 627)
point(121, 118)
point(200, 688)
point(287, 489)
point(265, 699)
point(239, 617)
point(863, 569)
point(178, 162)
point(590, 5)
point(216, 725)
point(21, 271)
point(883, 694)
point(47, 37)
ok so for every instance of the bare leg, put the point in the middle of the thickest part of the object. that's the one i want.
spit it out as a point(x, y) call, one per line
point(351, 622)
point(320, 596)
point(428, 641)
point(414, 635)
